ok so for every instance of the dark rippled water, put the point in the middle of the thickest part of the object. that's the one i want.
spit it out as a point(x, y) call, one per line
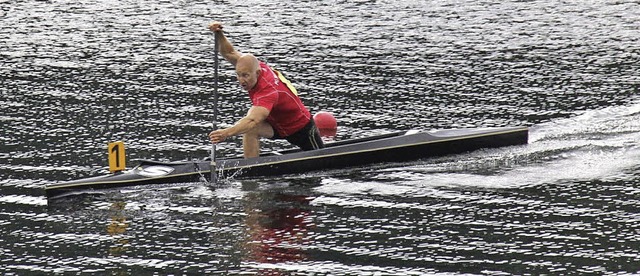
point(74, 76)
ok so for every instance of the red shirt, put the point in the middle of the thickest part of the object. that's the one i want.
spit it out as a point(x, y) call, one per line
point(287, 114)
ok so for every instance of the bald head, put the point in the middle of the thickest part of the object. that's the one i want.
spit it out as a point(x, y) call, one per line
point(248, 61)
point(248, 70)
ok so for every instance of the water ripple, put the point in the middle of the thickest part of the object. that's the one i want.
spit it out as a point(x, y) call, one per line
point(76, 75)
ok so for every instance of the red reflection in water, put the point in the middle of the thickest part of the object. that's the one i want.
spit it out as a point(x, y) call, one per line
point(277, 234)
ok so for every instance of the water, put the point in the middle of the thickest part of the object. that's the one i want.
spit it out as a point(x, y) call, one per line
point(75, 76)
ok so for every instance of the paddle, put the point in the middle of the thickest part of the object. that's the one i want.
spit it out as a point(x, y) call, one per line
point(215, 108)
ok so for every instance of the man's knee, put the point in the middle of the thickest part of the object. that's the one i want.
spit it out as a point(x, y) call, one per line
point(251, 134)
point(262, 130)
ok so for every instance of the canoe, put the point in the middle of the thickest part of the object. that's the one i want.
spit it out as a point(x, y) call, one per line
point(392, 147)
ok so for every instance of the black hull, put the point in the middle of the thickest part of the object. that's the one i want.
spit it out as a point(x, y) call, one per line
point(394, 147)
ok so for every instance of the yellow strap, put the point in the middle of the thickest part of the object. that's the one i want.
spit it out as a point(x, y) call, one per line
point(286, 82)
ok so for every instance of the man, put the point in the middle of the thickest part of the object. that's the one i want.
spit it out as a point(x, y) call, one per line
point(276, 113)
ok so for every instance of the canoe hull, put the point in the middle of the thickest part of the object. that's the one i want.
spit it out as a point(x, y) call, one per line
point(394, 147)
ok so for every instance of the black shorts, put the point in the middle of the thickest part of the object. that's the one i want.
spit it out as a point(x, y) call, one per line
point(307, 138)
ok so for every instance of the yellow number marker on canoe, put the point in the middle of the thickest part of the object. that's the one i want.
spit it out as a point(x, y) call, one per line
point(116, 156)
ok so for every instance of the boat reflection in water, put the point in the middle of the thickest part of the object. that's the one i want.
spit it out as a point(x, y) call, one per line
point(278, 226)
point(117, 227)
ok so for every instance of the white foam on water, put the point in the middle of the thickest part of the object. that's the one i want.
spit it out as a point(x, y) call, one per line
point(24, 199)
point(594, 145)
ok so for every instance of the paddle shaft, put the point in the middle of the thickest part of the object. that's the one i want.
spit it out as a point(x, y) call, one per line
point(215, 108)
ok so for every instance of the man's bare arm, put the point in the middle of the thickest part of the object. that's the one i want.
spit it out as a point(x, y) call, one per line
point(226, 48)
point(255, 116)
